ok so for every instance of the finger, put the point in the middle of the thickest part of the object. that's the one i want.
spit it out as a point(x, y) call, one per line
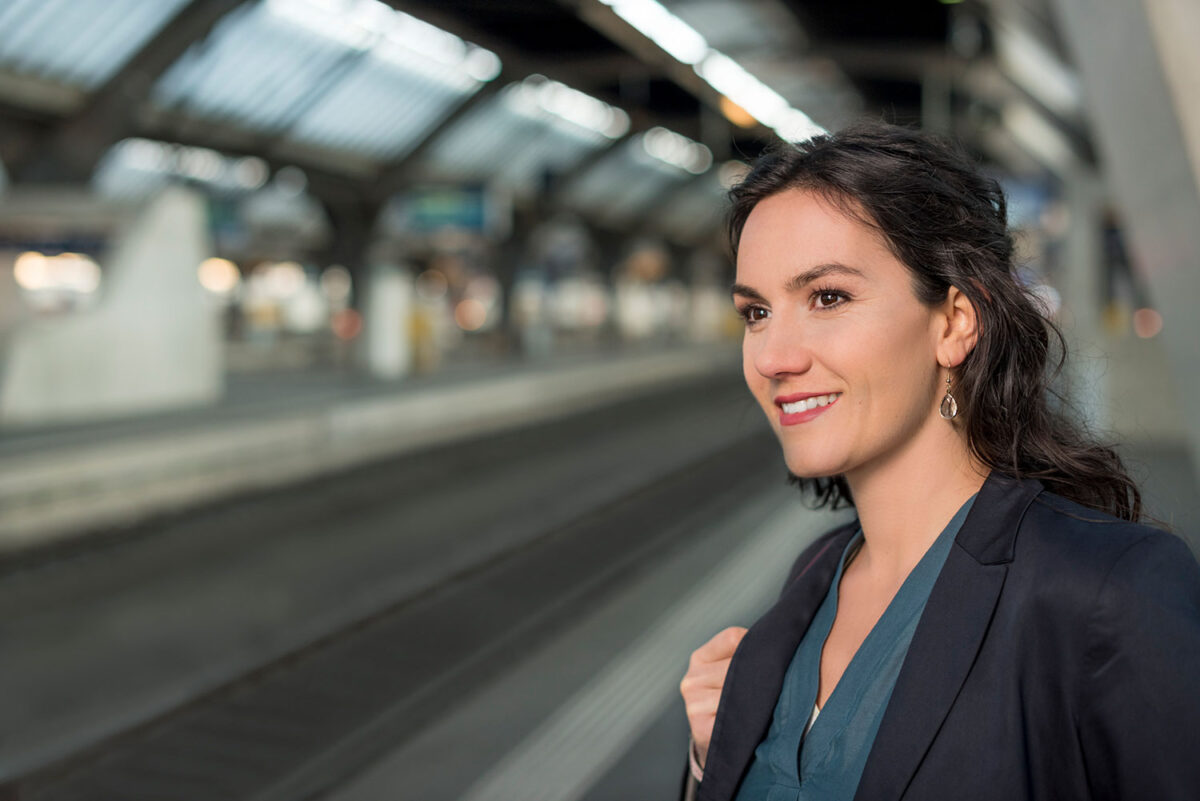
point(703, 708)
point(709, 675)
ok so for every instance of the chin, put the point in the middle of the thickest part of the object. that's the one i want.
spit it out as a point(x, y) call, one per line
point(805, 470)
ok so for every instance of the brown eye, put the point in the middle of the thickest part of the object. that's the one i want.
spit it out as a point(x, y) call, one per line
point(829, 298)
point(753, 314)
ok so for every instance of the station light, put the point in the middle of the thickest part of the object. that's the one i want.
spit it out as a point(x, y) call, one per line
point(739, 89)
point(279, 280)
point(470, 314)
point(148, 156)
point(762, 102)
point(677, 150)
point(219, 276)
point(663, 28)
point(539, 97)
point(736, 114)
point(1147, 323)
point(250, 172)
point(432, 285)
point(337, 284)
point(72, 272)
point(396, 37)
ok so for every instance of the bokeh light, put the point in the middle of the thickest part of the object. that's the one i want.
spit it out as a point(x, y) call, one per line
point(470, 314)
point(1147, 323)
point(219, 276)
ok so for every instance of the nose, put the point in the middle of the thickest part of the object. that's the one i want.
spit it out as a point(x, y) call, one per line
point(778, 352)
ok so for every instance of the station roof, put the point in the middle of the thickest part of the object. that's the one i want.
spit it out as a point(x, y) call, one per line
point(372, 95)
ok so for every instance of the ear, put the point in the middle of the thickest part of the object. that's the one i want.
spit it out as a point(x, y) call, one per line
point(957, 328)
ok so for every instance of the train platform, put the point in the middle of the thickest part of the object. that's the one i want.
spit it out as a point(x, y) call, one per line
point(479, 616)
point(63, 482)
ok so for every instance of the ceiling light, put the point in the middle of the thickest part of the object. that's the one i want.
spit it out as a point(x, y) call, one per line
point(738, 87)
point(663, 28)
point(677, 150)
point(736, 114)
point(765, 104)
point(393, 36)
point(537, 97)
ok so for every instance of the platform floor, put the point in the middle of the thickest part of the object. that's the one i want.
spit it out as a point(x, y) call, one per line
point(504, 618)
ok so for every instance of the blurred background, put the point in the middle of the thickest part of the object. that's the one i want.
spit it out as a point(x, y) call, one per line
point(371, 419)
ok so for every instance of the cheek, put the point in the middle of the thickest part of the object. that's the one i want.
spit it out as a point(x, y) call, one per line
point(754, 379)
point(748, 368)
point(905, 372)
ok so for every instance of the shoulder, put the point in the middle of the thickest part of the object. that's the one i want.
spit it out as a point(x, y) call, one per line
point(1093, 539)
point(1092, 558)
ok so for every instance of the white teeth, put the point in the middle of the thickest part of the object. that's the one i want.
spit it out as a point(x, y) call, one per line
point(810, 403)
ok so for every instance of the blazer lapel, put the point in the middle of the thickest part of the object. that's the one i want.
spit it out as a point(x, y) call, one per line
point(756, 671)
point(948, 637)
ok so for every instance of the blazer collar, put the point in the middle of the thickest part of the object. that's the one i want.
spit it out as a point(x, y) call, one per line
point(943, 648)
point(948, 636)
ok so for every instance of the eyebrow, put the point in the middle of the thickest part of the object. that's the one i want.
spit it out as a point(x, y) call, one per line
point(800, 280)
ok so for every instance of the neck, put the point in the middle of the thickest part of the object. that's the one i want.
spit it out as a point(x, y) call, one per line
point(905, 503)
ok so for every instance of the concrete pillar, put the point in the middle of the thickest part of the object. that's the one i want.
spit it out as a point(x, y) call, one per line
point(388, 322)
point(1081, 287)
point(152, 342)
point(1137, 60)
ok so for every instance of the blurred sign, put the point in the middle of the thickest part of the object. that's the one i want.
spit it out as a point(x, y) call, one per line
point(58, 243)
point(430, 209)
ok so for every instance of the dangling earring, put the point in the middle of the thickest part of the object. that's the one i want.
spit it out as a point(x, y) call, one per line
point(949, 407)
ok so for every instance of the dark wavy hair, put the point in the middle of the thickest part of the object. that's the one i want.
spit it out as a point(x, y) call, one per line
point(948, 224)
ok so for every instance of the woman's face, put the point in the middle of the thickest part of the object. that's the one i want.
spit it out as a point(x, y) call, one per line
point(830, 312)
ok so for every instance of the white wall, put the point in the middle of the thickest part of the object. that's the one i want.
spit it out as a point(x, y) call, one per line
point(151, 342)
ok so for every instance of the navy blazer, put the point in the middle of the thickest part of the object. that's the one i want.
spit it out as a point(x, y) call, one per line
point(1058, 658)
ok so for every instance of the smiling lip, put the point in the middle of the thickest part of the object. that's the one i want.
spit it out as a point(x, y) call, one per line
point(809, 414)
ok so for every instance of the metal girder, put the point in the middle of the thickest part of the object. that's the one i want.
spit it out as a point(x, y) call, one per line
point(605, 20)
point(73, 148)
point(893, 61)
point(577, 73)
point(563, 180)
point(649, 222)
point(328, 185)
point(391, 177)
point(985, 81)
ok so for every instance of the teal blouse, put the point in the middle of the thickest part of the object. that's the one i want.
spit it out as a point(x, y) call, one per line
point(832, 755)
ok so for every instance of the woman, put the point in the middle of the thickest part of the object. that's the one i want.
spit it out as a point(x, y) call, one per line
point(996, 623)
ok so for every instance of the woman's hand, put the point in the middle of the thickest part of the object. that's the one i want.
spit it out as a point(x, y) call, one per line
point(701, 687)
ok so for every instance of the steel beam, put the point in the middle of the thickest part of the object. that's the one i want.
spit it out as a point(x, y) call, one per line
point(74, 147)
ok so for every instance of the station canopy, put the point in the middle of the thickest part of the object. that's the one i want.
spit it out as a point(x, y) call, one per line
point(528, 128)
point(355, 77)
point(78, 44)
point(357, 89)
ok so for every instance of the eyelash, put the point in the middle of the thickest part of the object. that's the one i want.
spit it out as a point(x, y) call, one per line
point(747, 310)
point(816, 293)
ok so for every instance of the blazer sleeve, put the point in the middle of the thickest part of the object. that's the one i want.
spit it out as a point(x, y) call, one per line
point(1139, 701)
